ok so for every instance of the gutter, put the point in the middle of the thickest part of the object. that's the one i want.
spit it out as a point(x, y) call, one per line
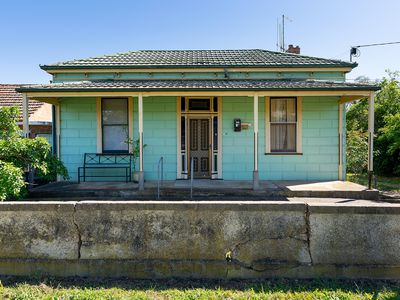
point(361, 88)
point(78, 67)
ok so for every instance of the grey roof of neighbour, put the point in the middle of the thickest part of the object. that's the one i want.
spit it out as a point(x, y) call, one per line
point(256, 58)
point(197, 85)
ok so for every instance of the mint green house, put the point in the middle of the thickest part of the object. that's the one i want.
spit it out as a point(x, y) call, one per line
point(237, 114)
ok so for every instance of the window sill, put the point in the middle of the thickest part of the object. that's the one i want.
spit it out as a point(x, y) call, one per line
point(283, 153)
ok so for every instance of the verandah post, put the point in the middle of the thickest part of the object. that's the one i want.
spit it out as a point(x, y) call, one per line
point(256, 184)
point(25, 115)
point(370, 138)
point(141, 174)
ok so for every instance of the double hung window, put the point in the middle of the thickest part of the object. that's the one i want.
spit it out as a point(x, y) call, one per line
point(283, 125)
point(114, 117)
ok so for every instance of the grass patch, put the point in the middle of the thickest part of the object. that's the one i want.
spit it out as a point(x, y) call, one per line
point(384, 183)
point(80, 288)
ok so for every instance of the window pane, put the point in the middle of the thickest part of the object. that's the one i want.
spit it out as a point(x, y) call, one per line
point(183, 104)
point(278, 110)
point(283, 110)
point(115, 111)
point(114, 138)
point(183, 133)
point(291, 110)
point(215, 104)
point(199, 104)
point(283, 137)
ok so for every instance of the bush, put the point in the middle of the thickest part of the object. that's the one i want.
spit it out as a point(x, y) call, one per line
point(389, 135)
point(357, 151)
point(11, 181)
point(19, 155)
point(387, 128)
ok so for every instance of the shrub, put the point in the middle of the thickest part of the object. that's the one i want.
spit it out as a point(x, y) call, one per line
point(11, 181)
point(357, 151)
point(19, 155)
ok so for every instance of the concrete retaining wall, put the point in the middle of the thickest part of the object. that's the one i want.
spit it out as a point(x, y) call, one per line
point(192, 239)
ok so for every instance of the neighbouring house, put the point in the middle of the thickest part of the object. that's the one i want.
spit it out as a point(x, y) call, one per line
point(232, 114)
point(40, 113)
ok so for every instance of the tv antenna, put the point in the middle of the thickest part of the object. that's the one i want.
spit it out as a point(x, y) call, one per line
point(280, 33)
point(355, 51)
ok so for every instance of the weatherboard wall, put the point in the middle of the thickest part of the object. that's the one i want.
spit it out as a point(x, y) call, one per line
point(78, 133)
point(319, 160)
point(159, 135)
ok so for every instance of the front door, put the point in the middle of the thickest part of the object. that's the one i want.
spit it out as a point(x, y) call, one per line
point(199, 145)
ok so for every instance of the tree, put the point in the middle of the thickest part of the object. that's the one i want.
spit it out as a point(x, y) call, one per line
point(18, 154)
point(386, 142)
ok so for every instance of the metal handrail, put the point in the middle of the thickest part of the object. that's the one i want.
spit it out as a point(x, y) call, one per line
point(191, 178)
point(160, 176)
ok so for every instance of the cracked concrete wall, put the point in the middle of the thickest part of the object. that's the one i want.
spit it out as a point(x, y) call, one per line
point(355, 235)
point(191, 239)
point(253, 232)
point(43, 230)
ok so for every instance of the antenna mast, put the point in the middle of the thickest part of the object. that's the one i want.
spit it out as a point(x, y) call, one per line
point(283, 34)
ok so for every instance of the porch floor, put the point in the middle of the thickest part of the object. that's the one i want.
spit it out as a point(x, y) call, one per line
point(204, 190)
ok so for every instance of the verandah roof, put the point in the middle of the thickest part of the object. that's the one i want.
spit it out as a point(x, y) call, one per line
point(199, 85)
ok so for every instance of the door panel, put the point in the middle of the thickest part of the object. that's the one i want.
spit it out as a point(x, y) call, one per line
point(200, 147)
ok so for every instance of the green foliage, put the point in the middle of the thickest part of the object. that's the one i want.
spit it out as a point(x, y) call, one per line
point(24, 154)
point(357, 151)
point(135, 145)
point(389, 135)
point(8, 122)
point(198, 289)
point(387, 110)
point(11, 181)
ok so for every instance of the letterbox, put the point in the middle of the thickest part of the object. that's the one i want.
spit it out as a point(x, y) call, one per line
point(237, 125)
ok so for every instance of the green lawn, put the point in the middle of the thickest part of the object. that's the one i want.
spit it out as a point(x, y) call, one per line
point(77, 288)
point(384, 183)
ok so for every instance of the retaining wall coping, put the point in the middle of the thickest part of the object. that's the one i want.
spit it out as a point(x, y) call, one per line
point(37, 206)
point(193, 205)
point(332, 208)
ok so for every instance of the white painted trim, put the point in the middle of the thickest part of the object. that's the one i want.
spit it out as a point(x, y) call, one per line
point(57, 121)
point(140, 110)
point(58, 129)
point(130, 121)
point(178, 139)
point(25, 115)
point(99, 135)
point(255, 128)
point(299, 125)
point(267, 126)
point(371, 113)
point(219, 162)
point(340, 129)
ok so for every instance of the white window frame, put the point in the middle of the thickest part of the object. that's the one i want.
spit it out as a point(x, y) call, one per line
point(99, 129)
point(299, 125)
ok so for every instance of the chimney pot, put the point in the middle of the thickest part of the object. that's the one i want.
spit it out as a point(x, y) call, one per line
point(292, 49)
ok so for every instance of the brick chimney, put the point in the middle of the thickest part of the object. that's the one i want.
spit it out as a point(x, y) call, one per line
point(294, 50)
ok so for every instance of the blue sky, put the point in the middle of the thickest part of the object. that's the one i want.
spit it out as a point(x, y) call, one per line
point(42, 32)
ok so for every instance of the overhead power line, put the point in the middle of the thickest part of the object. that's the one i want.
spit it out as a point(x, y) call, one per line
point(355, 52)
